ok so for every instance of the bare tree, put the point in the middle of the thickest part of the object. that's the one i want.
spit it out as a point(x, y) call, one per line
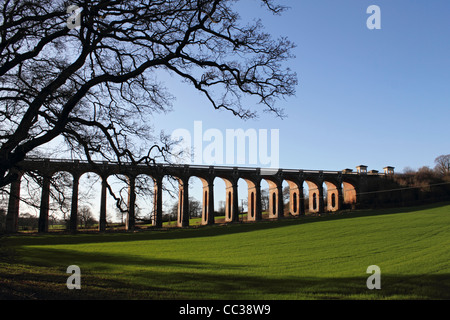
point(94, 86)
point(86, 217)
point(173, 212)
point(264, 199)
point(221, 209)
point(120, 214)
point(195, 208)
point(61, 185)
point(442, 164)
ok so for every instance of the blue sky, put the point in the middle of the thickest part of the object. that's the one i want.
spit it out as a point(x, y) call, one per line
point(373, 97)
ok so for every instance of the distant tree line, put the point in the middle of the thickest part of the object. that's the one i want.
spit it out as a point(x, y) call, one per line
point(415, 187)
point(29, 222)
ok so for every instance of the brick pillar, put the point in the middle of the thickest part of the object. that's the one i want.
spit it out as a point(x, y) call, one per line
point(316, 203)
point(276, 204)
point(157, 202)
point(254, 201)
point(74, 208)
point(12, 217)
point(349, 194)
point(208, 202)
point(231, 204)
point(44, 207)
point(183, 202)
point(321, 202)
point(296, 201)
point(340, 196)
point(131, 219)
point(333, 197)
point(102, 219)
point(301, 195)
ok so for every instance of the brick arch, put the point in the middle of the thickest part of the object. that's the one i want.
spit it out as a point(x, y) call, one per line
point(334, 195)
point(355, 187)
point(207, 198)
point(349, 193)
point(316, 203)
point(296, 197)
point(231, 197)
point(254, 199)
point(276, 205)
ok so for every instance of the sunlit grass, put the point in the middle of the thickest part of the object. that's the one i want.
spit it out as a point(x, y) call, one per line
point(305, 258)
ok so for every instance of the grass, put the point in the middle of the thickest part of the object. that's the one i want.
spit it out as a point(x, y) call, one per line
point(305, 258)
point(198, 221)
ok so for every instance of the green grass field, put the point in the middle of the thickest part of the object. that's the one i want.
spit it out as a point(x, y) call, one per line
point(304, 258)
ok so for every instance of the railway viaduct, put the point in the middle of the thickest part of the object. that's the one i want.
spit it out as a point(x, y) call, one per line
point(343, 188)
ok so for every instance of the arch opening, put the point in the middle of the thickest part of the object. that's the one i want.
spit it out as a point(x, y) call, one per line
point(252, 212)
point(314, 206)
point(315, 196)
point(349, 195)
point(332, 196)
point(294, 205)
point(293, 197)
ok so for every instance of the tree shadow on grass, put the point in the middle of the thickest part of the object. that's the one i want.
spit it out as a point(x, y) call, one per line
point(204, 231)
point(109, 276)
point(108, 261)
point(208, 286)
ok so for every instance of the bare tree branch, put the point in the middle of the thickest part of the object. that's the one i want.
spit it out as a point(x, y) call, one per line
point(97, 85)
